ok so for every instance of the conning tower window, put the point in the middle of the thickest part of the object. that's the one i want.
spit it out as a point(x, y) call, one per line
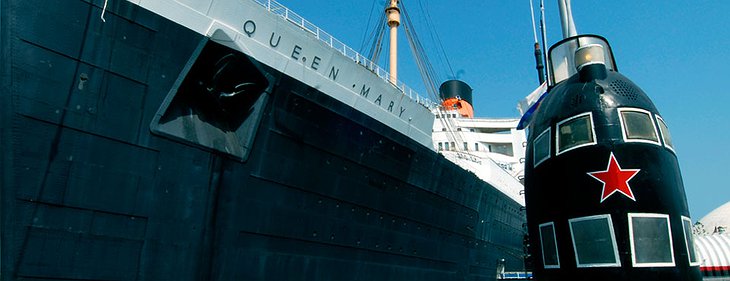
point(594, 241)
point(690, 242)
point(575, 132)
point(561, 56)
point(666, 136)
point(651, 240)
point(541, 148)
point(549, 245)
point(638, 126)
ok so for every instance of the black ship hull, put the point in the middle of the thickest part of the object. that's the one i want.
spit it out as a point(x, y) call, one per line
point(108, 172)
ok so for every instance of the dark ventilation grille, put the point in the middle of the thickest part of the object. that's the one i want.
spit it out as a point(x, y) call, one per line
point(624, 89)
point(577, 100)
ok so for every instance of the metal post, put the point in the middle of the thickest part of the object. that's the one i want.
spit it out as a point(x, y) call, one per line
point(393, 14)
point(566, 19)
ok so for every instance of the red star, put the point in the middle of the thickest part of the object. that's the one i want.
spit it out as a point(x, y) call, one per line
point(615, 179)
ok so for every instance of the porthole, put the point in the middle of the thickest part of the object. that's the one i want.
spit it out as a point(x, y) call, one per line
point(638, 126)
point(689, 241)
point(664, 130)
point(575, 132)
point(541, 148)
point(549, 245)
point(651, 240)
point(594, 241)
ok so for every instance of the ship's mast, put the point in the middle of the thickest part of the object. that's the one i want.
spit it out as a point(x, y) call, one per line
point(393, 14)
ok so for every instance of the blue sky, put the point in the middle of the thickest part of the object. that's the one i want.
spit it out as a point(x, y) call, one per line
point(678, 52)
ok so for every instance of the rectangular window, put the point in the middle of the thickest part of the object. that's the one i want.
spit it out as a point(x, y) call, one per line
point(575, 132)
point(549, 245)
point(651, 240)
point(666, 136)
point(638, 126)
point(441, 146)
point(689, 240)
point(476, 147)
point(541, 148)
point(466, 146)
point(446, 145)
point(503, 148)
point(594, 241)
point(453, 146)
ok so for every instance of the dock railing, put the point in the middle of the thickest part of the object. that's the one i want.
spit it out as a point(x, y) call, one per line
point(280, 10)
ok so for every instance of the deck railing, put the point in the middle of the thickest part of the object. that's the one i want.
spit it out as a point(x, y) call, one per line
point(280, 10)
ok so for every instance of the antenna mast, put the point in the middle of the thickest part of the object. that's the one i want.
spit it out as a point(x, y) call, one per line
point(566, 19)
point(543, 30)
point(393, 14)
point(538, 54)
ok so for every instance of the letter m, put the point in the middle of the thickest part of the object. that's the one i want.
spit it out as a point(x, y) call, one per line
point(364, 92)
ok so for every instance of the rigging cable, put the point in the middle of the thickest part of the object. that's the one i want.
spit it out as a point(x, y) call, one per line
point(376, 48)
point(367, 28)
point(436, 38)
point(373, 42)
point(377, 39)
point(103, 10)
point(424, 66)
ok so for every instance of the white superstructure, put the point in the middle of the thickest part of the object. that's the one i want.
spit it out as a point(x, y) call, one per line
point(491, 148)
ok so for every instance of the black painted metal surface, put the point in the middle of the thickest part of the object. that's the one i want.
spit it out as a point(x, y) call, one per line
point(454, 89)
point(104, 177)
point(560, 188)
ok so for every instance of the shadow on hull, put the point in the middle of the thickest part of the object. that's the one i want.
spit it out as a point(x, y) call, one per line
point(124, 157)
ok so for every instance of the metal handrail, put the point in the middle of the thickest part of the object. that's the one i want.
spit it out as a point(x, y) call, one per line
point(280, 10)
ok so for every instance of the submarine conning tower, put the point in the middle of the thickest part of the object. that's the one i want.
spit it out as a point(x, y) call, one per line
point(603, 189)
point(457, 95)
